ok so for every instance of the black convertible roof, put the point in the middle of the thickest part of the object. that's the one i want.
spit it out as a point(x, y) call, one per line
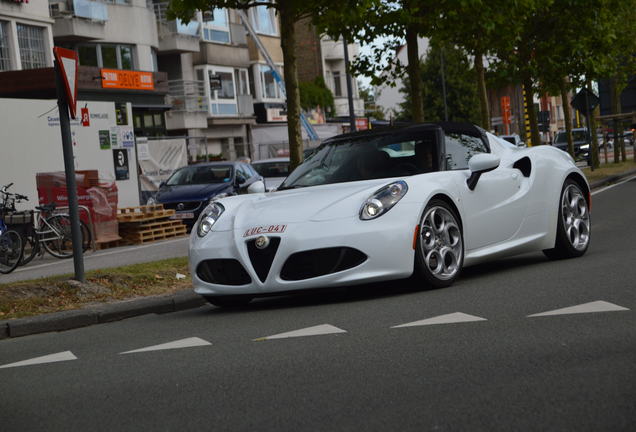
point(447, 127)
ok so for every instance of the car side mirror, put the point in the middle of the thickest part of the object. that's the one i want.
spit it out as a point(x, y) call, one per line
point(162, 184)
point(479, 164)
point(257, 187)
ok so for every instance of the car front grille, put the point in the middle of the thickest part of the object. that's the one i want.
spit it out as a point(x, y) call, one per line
point(262, 258)
point(223, 272)
point(186, 205)
point(320, 262)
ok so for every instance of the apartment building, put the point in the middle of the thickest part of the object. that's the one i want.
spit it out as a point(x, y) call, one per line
point(26, 38)
point(322, 56)
point(220, 84)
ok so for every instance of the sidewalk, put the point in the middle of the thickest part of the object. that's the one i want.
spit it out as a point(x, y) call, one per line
point(113, 311)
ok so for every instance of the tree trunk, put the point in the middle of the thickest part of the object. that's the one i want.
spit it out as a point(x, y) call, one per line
point(616, 109)
point(290, 72)
point(567, 113)
point(481, 90)
point(532, 115)
point(591, 121)
point(415, 76)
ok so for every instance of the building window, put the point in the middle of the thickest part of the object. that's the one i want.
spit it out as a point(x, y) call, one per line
point(220, 89)
point(106, 56)
point(264, 20)
point(269, 87)
point(31, 42)
point(242, 82)
point(5, 59)
point(215, 26)
point(337, 85)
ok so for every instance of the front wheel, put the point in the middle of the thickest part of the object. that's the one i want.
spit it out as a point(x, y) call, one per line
point(574, 227)
point(11, 248)
point(439, 252)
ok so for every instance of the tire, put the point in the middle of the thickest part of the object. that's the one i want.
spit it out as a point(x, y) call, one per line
point(31, 247)
point(231, 301)
point(11, 249)
point(439, 251)
point(574, 226)
point(87, 237)
point(59, 247)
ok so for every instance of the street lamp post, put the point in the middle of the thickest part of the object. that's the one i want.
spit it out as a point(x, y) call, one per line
point(352, 114)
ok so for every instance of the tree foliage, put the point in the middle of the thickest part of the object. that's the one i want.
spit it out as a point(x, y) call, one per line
point(315, 94)
point(461, 92)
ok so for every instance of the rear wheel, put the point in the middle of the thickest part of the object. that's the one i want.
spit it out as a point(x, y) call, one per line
point(11, 248)
point(573, 224)
point(232, 301)
point(31, 247)
point(439, 252)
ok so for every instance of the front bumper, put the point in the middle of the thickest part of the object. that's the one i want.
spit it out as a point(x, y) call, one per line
point(387, 242)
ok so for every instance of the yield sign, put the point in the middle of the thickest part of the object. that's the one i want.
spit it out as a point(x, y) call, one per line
point(67, 63)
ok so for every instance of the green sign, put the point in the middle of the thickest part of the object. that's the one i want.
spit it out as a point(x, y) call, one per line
point(104, 139)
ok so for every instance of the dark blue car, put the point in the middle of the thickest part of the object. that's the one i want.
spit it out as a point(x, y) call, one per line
point(190, 189)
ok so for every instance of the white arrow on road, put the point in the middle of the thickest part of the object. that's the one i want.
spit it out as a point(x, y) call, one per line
point(451, 318)
point(595, 306)
point(181, 343)
point(322, 329)
point(50, 358)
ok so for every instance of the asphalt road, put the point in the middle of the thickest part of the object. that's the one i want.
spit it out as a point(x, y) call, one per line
point(499, 370)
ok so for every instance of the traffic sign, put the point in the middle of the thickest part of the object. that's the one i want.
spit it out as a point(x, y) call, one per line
point(68, 61)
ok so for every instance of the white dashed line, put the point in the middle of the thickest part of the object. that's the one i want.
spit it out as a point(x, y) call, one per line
point(451, 318)
point(592, 307)
point(51, 358)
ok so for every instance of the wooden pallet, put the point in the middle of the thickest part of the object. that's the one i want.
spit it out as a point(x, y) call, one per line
point(153, 234)
point(109, 244)
point(143, 213)
point(141, 226)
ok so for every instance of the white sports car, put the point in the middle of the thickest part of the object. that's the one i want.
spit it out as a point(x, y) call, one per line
point(423, 201)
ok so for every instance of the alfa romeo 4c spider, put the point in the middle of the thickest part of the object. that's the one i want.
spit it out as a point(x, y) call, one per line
point(422, 201)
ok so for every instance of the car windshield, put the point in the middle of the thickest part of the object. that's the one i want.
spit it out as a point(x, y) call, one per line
point(577, 135)
point(365, 158)
point(201, 175)
point(272, 169)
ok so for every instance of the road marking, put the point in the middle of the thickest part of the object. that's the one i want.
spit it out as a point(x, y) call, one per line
point(592, 307)
point(182, 343)
point(614, 185)
point(451, 318)
point(51, 358)
point(322, 329)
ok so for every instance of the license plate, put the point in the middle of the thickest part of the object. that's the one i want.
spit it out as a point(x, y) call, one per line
point(267, 229)
point(182, 216)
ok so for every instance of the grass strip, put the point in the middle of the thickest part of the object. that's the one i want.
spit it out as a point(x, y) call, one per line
point(608, 170)
point(56, 293)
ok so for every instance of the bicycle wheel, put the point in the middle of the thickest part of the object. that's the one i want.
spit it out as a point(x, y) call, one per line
point(31, 247)
point(10, 251)
point(58, 240)
point(87, 237)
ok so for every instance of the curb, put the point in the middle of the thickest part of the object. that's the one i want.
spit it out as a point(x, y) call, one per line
point(612, 179)
point(103, 313)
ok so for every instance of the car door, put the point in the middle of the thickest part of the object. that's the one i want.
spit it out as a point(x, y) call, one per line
point(495, 209)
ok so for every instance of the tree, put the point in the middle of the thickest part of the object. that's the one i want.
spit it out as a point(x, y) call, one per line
point(370, 108)
point(315, 94)
point(289, 12)
point(461, 94)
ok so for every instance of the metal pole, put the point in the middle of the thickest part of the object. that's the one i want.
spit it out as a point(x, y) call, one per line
point(352, 114)
point(69, 168)
point(441, 55)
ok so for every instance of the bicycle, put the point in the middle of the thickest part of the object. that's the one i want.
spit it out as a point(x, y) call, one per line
point(11, 246)
point(47, 229)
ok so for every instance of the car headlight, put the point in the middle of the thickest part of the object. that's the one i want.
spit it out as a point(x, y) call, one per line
point(209, 217)
point(383, 200)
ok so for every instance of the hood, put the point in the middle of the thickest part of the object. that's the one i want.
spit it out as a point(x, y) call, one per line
point(198, 192)
point(304, 204)
point(317, 203)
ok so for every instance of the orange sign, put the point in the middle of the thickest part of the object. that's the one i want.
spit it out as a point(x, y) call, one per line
point(125, 79)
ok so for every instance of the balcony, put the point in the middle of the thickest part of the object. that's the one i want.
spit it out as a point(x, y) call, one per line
point(189, 105)
point(175, 36)
point(78, 20)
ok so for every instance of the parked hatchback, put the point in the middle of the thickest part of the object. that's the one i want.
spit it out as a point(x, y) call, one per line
point(191, 188)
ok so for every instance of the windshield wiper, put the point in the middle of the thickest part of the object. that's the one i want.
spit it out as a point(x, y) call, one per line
point(290, 187)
